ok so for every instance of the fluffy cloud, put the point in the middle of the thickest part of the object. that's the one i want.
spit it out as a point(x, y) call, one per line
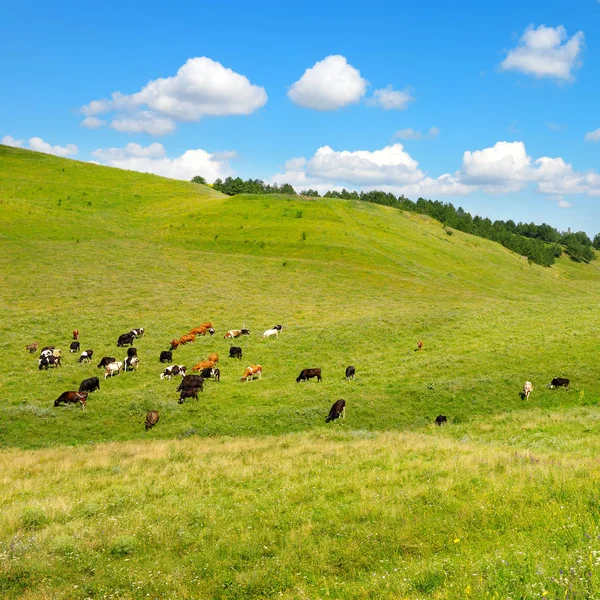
point(153, 159)
point(39, 145)
point(328, 85)
point(546, 52)
point(390, 99)
point(500, 169)
point(593, 136)
point(202, 87)
point(411, 134)
point(93, 123)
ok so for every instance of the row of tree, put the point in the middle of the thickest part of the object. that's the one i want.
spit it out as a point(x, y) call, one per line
point(541, 244)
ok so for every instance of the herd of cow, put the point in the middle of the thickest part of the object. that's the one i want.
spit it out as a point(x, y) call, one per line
point(190, 384)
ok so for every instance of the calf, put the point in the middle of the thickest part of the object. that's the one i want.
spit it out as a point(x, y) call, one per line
point(131, 363)
point(420, 345)
point(271, 333)
point(74, 347)
point(89, 385)
point(139, 332)
point(32, 348)
point(337, 410)
point(350, 372)
point(527, 389)
point(211, 373)
point(235, 352)
point(112, 369)
point(75, 334)
point(174, 370)
point(559, 382)
point(188, 393)
point(106, 360)
point(48, 361)
point(166, 356)
point(307, 374)
point(191, 381)
point(72, 398)
point(125, 340)
point(86, 356)
point(151, 419)
point(251, 372)
point(441, 420)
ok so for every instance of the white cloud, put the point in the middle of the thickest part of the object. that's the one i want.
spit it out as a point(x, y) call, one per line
point(412, 134)
point(593, 136)
point(153, 159)
point(202, 87)
point(39, 145)
point(546, 52)
point(93, 123)
point(390, 99)
point(328, 85)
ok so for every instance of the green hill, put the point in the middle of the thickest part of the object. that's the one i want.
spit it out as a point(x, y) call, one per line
point(371, 507)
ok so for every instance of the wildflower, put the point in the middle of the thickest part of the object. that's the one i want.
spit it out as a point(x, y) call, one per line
point(456, 540)
point(545, 593)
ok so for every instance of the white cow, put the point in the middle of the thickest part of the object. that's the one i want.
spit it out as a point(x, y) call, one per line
point(131, 363)
point(527, 389)
point(270, 333)
point(113, 368)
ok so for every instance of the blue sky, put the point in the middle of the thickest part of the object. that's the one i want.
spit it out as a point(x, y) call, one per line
point(378, 95)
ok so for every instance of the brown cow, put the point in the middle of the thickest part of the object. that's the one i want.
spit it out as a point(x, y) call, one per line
point(214, 357)
point(420, 345)
point(251, 372)
point(203, 329)
point(32, 347)
point(72, 398)
point(151, 419)
point(75, 334)
point(187, 339)
point(203, 364)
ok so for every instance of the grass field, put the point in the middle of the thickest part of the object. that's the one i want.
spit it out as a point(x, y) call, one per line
point(247, 493)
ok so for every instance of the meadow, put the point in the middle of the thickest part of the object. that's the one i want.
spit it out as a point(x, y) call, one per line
point(248, 493)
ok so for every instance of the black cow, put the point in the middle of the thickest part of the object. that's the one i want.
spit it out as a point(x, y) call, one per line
point(211, 373)
point(106, 360)
point(441, 420)
point(165, 356)
point(74, 347)
point(86, 355)
point(350, 372)
point(47, 348)
point(72, 398)
point(131, 352)
point(307, 374)
point(188, 393)
point(48, 361)
point(191, 381)
point(151, 419)
point(235, 352)
point(126, 339)
point(559, 382)
point(90, 385)
point(337, 410)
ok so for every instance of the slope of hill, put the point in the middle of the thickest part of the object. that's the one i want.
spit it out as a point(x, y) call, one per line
point(501, 502)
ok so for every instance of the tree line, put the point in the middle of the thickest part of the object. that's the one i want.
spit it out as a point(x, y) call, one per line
point(541, 244)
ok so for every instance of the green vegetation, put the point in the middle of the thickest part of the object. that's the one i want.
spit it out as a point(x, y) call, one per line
point(247, 493)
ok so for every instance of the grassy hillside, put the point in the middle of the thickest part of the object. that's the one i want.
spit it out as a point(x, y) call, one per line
point(333, 509)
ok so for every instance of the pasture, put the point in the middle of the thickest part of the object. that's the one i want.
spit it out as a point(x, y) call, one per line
point(248, 493)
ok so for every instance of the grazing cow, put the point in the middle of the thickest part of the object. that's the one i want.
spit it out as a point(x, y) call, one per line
point(112, 369)
point(211, 373)
point(166, 356)
point(48, 361)
point(350, 372)
point(131, 363)
point(235, 333)
point(203, 364)
point(235, 352)
point(139, 332)
point(90, 385)
point(45, 353)
point(337, 410)
point(106, 360)
point(420, 345)
point(307, 374)
point(188, 393)
point(75, 334)
point(251, 372)
point(173, 370)
point(74, 347)
point(174, 344)
point(203, 329)
point(187, 339)
point(214, 357)
point(151, 419)
point(125, 340)
point(441, 420)
point(271, 333)
point(278, 327)
point(131, 352)
point(527, 389)
point(72, 398)
point(191, 381)
point(559, 382)
point(86, 356)
point(32, 347)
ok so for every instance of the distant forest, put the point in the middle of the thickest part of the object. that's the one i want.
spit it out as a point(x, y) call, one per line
point(541, 244)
